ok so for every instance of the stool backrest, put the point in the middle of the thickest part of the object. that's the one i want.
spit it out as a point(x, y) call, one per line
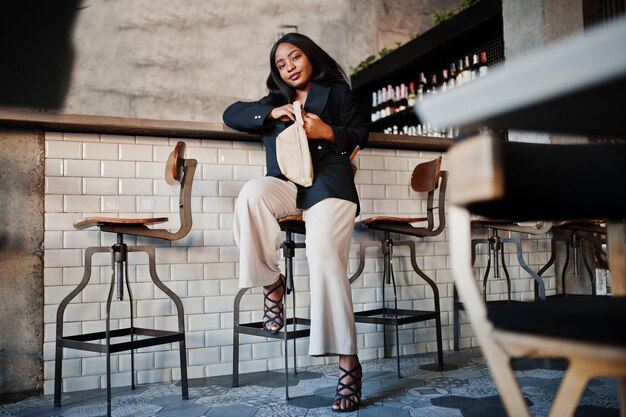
point(178, 170)
point(428, 177)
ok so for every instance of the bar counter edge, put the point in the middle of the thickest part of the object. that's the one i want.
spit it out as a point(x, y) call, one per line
point(183, 129)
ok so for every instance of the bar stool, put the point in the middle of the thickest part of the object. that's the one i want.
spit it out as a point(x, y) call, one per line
point(575, 235)
point(427, 177)
point(177, 170)
point(299, 326)
point(495, 247)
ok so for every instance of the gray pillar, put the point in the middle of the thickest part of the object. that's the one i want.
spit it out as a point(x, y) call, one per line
point(21, 262)
point(530, 25)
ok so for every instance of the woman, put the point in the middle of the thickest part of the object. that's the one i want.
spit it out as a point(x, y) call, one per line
point(301, 70)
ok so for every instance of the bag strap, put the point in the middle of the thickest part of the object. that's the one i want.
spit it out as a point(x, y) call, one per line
point(298, 112)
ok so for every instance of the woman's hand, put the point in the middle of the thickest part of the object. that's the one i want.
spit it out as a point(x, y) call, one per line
point(316, 128)
point(283, 113)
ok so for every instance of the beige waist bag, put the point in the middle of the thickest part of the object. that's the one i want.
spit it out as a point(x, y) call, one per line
point(292, 151)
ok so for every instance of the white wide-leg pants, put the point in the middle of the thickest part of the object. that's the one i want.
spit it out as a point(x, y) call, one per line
point(329, 226)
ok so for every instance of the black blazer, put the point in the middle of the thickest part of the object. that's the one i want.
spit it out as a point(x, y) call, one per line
point(335, 105)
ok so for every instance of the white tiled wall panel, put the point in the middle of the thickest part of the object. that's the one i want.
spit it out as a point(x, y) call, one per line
point(122, 176)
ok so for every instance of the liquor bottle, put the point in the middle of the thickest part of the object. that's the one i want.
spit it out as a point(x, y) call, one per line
point(443, 84)
point(459, 73)
point(391, 101)
point(475, 66)
point(422, 86)
point(404, 100)
point(411, 99)
point(374, 107)
point(482, 68)
point(398, 99)
point(452, 77)
point(379, 108)
point(467, 71)
point(432, 87)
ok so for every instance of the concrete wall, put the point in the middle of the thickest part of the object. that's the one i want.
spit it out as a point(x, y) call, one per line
point(530, 25)
point(188, 60)
point(21, 261)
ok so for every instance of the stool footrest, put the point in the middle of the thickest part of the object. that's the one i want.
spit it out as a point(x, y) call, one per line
point(256, 329)
point(387, 316)
point(156, 337)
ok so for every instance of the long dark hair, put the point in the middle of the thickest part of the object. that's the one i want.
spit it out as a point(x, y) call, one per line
point(325, 69)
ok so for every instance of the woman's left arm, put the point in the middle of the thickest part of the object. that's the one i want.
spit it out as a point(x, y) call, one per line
point(347, 130)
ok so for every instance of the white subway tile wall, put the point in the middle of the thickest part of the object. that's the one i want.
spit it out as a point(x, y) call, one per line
point(122, 176)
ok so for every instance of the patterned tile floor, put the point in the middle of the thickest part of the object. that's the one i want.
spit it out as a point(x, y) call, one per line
point(466, 391)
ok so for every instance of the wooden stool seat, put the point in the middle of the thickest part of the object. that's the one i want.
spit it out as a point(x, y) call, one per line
point(88, 222)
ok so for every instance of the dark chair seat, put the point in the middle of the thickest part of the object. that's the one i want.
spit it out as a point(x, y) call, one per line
point(597, 319)
point(395, 225)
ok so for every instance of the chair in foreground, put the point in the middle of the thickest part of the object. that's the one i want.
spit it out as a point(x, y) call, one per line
point(427, 177)
point(177, 170)
point(522, 181)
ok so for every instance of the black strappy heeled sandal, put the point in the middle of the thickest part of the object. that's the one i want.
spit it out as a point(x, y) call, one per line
point(353, 387)
point(274, 312)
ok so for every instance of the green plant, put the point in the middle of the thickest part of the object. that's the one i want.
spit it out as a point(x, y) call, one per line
point(443, 15)
point(367, 61)
point(363, 64)
point(467, 3)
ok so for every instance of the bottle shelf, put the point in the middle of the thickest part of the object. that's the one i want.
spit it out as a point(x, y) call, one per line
point(471, 31)
point(459, 34)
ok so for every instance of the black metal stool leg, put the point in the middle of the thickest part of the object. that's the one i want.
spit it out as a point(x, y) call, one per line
point(486, 276)
point(389, 254)
point(180, 314)
point(60, 343)
point(236, 322)
point(456, 317)
point(386, 281)
point(117, 251)
point(58, 373)
point(132, 327)
point(547, 265)
point(295, 327)
point(289, 253)
point(520, 259)
point(506, 273)
point(437, 310)
point(565, 265)
point(592, 278)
